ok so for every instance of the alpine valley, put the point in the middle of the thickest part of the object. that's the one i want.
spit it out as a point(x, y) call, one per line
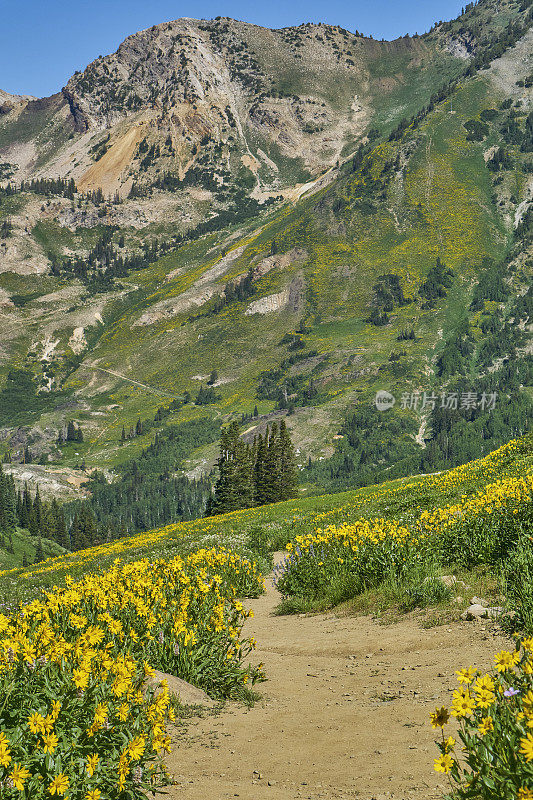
point(221, 222)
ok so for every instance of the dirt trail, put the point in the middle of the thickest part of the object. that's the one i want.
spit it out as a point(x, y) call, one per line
point(344, 712)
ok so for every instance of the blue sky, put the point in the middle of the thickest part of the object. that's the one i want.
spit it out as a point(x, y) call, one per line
point(42, 42)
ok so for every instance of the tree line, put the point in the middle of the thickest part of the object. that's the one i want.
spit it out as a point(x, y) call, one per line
point(253, 474)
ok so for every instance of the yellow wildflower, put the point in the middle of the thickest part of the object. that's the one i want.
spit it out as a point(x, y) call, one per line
point(19, 776)
point(59, 785)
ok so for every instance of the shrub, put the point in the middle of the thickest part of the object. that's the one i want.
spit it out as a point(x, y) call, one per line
point(75, 716)
point(518, 587)
point(495, 716)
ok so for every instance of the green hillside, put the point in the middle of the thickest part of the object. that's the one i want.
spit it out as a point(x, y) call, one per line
point(405, 268)
point(258, 532)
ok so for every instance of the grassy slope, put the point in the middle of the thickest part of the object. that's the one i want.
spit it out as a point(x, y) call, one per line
point(259, 531)
point(25, 544)
point(440, 205)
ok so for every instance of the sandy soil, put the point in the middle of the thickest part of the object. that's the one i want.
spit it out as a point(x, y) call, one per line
point(344, 714)
point(106, 173)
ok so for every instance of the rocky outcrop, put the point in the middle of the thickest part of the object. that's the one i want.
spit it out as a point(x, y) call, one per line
point(186, 693)
point(79, 119)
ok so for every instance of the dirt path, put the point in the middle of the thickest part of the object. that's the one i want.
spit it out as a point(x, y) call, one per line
point(344, 712)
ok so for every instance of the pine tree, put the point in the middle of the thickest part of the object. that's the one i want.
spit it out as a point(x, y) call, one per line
point(27, 519)
point(271, 481)
point(139, 428)
point(71, 432)
point(288, 479)
point(8, 498)
point(56, 528)
point(244, 475)
point(259, 472)
point(79, 434)
point(223, 495)
point(83, 532)
point(235, 487)
point(39, 553)
point(263, 473)
point(123, 435)
point(38, 511)
point(76, 537)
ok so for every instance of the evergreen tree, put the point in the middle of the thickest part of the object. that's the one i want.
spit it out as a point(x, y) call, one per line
point(27, 519)
point(244, 476)
point(288, 484)
point(71, 432)
point(225, 495)
point(39, 553)
point(138, 428)
point(272, 477)
point(83, 532)
point(8, 499)
point(248, 476)
point(56, 528)
point(38, 511)
point(259, 471)
point(76, 535)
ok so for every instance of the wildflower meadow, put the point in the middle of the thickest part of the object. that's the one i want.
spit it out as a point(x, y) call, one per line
point(77, 719)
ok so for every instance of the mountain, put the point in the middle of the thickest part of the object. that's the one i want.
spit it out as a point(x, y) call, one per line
point(311, 214)
point(225, 98)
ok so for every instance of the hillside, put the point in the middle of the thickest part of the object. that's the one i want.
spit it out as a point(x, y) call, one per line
point(171, 596)
point(286, 210)
point(257, 533)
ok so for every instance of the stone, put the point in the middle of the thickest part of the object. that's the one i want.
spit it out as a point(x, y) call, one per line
point(186, 693)
point(475, 611)
point(450, 581)
point(477, 601)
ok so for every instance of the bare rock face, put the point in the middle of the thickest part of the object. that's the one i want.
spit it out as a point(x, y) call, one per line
point(462, 46)
point(212, 103)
